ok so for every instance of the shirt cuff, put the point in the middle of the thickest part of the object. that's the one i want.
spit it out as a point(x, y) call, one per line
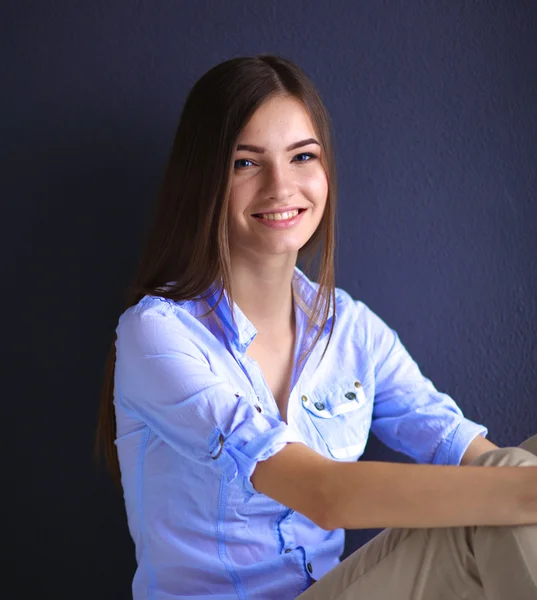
point(454, 446)
point(241, 462)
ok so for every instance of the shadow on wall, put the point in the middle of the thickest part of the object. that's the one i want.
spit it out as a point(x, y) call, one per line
point(85, 195)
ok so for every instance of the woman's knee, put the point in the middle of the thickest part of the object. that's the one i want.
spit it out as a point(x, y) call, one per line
point(530, 444)
point(511, 456)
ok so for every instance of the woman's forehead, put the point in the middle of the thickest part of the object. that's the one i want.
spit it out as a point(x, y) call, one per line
point(278, 121)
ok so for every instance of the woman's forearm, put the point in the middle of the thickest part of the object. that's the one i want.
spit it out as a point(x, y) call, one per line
point(374, 494)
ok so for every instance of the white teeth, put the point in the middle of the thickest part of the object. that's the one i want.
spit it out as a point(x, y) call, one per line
point(280, 216)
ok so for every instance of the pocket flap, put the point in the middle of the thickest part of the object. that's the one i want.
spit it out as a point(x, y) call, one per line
point(329, 402)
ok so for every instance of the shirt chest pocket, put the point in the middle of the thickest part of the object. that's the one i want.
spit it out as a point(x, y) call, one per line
point(341, 415)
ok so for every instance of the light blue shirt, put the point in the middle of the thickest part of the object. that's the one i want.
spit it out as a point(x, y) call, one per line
point(195, 415)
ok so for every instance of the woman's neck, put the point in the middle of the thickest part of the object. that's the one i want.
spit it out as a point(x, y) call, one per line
point(264, 294)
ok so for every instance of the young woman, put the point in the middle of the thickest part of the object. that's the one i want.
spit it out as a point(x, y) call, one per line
point(239, 392)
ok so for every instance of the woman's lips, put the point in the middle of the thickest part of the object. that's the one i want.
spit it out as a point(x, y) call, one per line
point(273, 224)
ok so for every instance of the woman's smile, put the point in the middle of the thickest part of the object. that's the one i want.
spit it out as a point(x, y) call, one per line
point(282, 220)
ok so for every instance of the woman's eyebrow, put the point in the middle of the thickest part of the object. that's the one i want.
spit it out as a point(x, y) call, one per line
point(293, 146)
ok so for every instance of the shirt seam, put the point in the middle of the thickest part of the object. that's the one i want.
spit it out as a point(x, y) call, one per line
point(221, 540)
point(143, 531)
point(139, 470)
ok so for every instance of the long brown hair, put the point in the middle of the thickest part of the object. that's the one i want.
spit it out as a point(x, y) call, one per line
point(192, 204)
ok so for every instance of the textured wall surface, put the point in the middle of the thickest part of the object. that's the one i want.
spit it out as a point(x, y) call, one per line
point(434, 109)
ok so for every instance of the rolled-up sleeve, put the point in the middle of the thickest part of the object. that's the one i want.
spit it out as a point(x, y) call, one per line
point(165, 379)
point(409, 414)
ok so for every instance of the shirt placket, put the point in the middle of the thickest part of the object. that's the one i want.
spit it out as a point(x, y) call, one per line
point(288, 542)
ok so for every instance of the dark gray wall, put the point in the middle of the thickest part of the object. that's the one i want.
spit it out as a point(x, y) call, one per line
point(435, 120)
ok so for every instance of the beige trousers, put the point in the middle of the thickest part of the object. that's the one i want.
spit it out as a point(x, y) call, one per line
point(444, 563)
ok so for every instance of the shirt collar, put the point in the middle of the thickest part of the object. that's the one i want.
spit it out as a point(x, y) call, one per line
point(243, 331)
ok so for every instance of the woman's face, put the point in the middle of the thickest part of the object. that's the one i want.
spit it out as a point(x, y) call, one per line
point(277, 170)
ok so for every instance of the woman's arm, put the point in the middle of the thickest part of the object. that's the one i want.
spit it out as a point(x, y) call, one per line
point(409, 414)
point(370, 494)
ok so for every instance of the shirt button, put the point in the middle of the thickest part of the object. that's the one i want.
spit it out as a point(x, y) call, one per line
point(319, 405)
point(287, 550)
point(310, 568)
point(221, 442)
point(357, 384)
point(304, 398)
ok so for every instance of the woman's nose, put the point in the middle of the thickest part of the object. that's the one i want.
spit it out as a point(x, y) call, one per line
point(279, 182)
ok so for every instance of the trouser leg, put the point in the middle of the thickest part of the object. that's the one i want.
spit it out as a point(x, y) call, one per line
point(444, 563)
point(507, 556)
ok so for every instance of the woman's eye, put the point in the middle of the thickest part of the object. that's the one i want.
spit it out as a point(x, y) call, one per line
point(308, 154)
point(302, 157)
point(241, 160)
